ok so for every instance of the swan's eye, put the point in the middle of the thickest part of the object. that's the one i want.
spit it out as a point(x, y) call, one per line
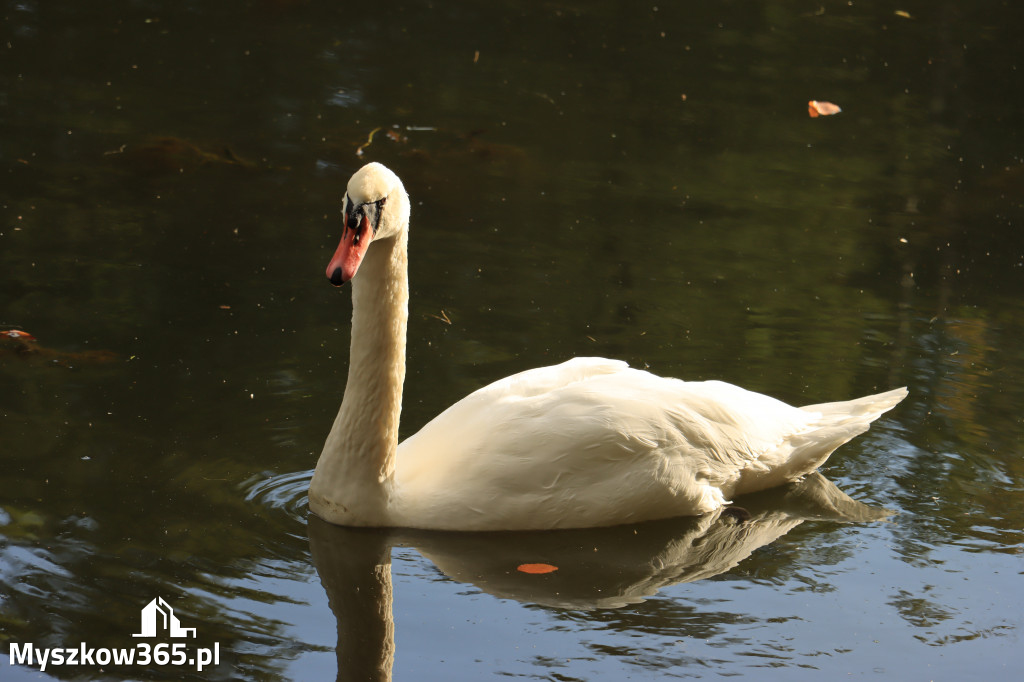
point(373, 213)
point(358, 218)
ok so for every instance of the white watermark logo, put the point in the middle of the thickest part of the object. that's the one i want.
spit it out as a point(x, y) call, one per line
point(157, 619)
point(158, 612)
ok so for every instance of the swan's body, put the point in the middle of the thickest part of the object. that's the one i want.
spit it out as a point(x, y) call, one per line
point(589, 442)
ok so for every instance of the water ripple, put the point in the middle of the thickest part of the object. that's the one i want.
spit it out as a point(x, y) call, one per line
point(287, 492)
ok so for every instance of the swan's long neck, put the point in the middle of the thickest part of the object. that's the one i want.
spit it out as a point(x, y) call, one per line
point(354, 475)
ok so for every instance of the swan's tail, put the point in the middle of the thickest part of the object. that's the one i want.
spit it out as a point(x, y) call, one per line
point(866, 409)
point(837, 423)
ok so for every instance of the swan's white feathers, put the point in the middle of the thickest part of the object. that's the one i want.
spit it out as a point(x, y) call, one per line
point(371, 183)
point(594, 442)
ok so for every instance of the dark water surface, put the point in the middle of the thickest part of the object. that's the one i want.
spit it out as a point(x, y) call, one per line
point(587, 178)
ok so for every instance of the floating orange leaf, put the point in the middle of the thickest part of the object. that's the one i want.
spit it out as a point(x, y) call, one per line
point(536, 568)
point(17, 334)
point(816, 108)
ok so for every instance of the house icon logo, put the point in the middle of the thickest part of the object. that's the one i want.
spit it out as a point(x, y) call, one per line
point(157, 615)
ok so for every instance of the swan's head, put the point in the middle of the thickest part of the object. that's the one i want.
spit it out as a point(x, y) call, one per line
point(376, 207)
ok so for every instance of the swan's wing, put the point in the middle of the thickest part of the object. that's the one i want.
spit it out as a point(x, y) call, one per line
point(508, 409)
point(511, 415)
point(592, 442)
point(542, 380)
point(588, 442)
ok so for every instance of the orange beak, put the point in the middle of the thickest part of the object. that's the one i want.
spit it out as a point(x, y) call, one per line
point(350, 252)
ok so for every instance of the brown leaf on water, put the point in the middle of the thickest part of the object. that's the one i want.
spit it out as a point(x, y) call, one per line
point(816, 108)
point(18, 343)
point(22, 345)
point(17, 335)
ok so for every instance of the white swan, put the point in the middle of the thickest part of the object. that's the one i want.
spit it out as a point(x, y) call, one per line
point(589, 442)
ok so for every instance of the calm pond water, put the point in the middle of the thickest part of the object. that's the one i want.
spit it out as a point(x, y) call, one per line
point(595, 178)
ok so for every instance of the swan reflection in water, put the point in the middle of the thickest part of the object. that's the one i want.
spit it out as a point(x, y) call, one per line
point(597, 568)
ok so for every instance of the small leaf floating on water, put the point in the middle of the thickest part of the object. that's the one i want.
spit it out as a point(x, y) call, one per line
point(23, 345)
point(17, 334)
point(536, 569)
point(816, 108)
point(18, 342)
